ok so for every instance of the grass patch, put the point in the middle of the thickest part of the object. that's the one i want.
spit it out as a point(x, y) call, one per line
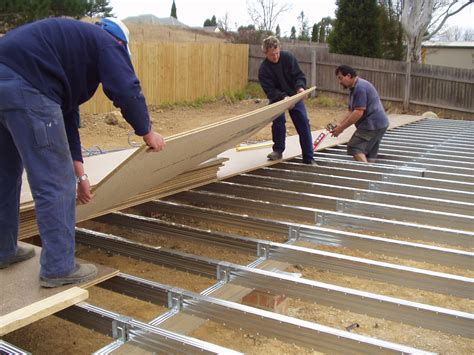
point(328, 102)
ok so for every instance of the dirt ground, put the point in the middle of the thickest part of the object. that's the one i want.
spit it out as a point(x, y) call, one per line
point(56, 336)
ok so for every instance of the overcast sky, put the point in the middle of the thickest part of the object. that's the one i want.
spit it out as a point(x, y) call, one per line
point(195, 12)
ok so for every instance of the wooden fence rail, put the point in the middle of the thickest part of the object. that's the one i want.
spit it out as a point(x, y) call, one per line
point(180, 72)
point(424, 85)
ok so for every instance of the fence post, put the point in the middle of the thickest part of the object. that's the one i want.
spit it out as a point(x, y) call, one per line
point(406, 97)
point(313, 70)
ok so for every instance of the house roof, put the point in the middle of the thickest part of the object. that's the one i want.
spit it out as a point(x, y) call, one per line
point(451, 44)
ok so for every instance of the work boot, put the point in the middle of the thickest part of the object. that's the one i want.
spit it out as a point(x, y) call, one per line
point(309, 162)
point(82, 273)
point(22, 253)
point(274, 156)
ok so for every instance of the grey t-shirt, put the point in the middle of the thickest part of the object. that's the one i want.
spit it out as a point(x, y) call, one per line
point(364, 95)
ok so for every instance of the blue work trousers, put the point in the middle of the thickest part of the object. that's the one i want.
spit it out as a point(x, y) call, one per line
point(300, 120)
point(32, 136)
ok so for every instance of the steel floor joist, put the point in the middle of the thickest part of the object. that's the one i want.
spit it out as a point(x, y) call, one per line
point(9, 349)
point(426, 149)
point(331, 219)
point(336, 296)
point(368, 184)
point(355, 171)
point(133, 332)
point(462, 166)
point(449, 155)
point(371, 209)
point(321, 236)
point(401, 198)
point(299, 332)
point(314, 234)
point(457, 173)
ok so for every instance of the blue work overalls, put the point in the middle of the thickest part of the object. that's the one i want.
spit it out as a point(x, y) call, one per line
point(32, 136)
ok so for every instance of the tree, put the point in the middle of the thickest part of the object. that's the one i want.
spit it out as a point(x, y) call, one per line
point(293, 33)
point(315, 33)
point(303, 25)
point(325, 27)
point(14, 13)
point(356, 28)
point(422, 19)
point(248, 34)
point(211, 22)
point(264, 13)
point(278, 32)
point(223, 23)
point(392, 45)
point(173, 11)
point(455, 33)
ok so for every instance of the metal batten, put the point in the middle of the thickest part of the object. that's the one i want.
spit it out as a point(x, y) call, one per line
point(368, 184)
point(142, 335)
point(7, 348)
point(348, 265)
point(278, 196)
point(400, 140)
point(429, 148)
point(416, 153)
point(317, 235)
point(356, 172)
point(299, 332)
point(363, 194)
point(458, 173)
point(389, 228)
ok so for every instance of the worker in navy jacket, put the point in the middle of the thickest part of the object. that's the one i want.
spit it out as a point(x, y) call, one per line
point(47, 69)
point(281, 77)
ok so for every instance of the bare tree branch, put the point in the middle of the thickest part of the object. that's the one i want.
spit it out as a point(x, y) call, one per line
point(444, 16)
point(264, 13)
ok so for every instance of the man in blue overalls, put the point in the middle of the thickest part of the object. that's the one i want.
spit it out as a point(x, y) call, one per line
point(47, 69)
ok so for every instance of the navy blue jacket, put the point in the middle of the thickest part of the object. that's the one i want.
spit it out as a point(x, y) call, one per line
point(281, 79)
point(66, 60)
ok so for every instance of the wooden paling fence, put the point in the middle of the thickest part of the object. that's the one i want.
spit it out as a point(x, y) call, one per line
point(425, 85)
point(182, 72)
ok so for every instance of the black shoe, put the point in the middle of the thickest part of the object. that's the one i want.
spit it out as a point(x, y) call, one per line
point(310, 162)
point(22, 253)
point(274, 156)
point(82, 273)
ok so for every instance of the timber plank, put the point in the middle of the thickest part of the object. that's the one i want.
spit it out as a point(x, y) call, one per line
point(23, 301)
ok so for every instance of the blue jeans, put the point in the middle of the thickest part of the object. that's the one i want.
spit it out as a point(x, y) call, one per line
point(32, 136)
point(300, 120)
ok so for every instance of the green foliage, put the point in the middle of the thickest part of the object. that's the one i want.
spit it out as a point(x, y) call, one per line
point(278, 32)
point(254, 91)
point(248, 34)
point(14, 13)
point(315, 33)
point(327, 102)
point(356, 29)
point(392, 35)
point(325, 27)
point(211, 22)
point(303, 26)
point(293, 33)
point(173, 11)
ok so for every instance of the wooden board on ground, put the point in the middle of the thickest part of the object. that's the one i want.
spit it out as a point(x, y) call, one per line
point(143, 171)
point(241, 161)
point(23, 301)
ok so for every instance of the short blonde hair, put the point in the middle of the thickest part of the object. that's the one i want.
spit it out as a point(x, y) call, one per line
point(270, 42)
